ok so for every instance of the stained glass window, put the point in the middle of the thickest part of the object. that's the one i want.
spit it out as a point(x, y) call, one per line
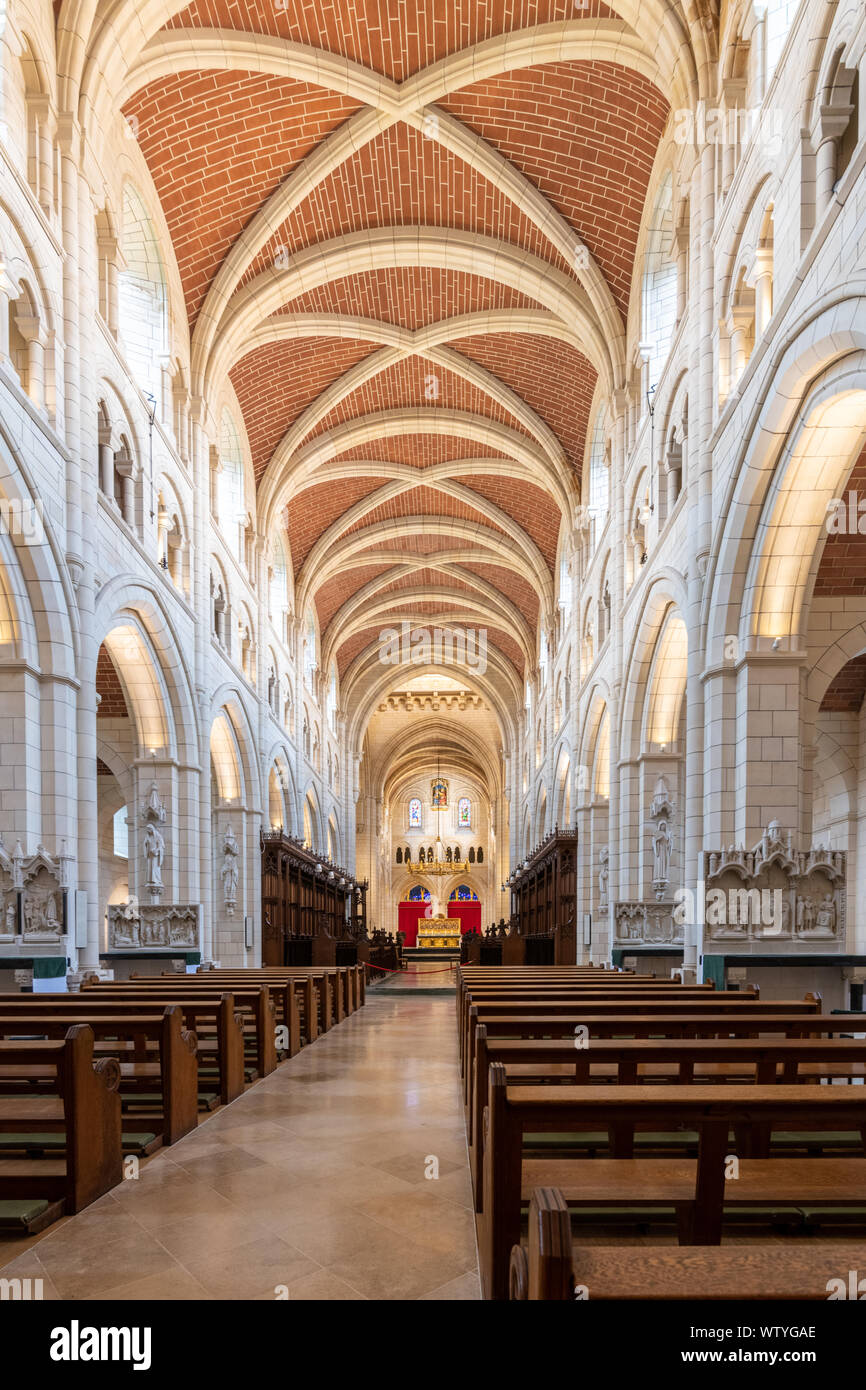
point(419, 894)
point(415, 813)
point(439, 791)
point(464, 813)
point(462, 894)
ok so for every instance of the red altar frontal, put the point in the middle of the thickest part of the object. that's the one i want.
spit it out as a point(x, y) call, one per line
point(410, 914)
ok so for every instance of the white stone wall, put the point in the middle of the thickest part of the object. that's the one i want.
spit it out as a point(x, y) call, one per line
point(749, 741)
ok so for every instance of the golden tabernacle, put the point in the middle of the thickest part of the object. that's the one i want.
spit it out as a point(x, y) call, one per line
point(443, 932)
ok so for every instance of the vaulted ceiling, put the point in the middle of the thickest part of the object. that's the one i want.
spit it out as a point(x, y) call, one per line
point(406, 233)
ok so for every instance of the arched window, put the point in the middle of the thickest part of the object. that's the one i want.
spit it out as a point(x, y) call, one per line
point(278, 592)
point(121, 833)
point(566, 590)
point(288, 706)
point(462, 894)
point(778, 17)
point(310, 662)
point(419, 894)
point(415, 813)
point(660, 283)
point(480, 855)
point(399, 858)
point(143, 301)
point(332, 699)
point(464, 813)
point(230, 497)
point(470, 858)
point(599, 477)
point(543, 656)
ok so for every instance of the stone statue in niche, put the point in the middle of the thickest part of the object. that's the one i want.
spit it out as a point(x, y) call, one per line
point(661, 813)
point(661, 852)
point(124, 924)
point(603, 875)
point(43, 917)
point(153, 850)
point(229, 872)
point(8, 915)
point(825, 918)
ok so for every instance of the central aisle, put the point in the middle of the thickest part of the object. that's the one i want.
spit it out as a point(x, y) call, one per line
point(314, 1180)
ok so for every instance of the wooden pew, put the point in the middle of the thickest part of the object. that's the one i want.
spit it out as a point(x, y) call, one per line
point(284, 993)
point(85, 1110)
point(551, 1266)
point(680, 1060)
point(314, 986)
point(316, 991)
point(174, 1075)
point(696, 1190)
point(564, 1000)
point(252, 1001)
point(536, 1021)
point(471, 976)
point(215, 1021)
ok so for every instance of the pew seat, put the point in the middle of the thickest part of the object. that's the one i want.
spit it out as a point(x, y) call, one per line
point(552, 1266)
point(700, 1193)
point(77, 1154)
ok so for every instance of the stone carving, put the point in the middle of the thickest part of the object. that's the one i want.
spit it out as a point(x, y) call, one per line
point(661, 812)
point(229, 872)
point(661, 853)
point(153, 844)
point(647, 923)
point(151, 926)
point(153, 808)
point(34, 897)
point(603, 875)
point(153, 849)
point(8, 896)
point(774, 891)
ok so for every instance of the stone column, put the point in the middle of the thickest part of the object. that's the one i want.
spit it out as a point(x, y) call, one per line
point(620, 405)
point(90, 636)
point(762, 275)
point(768, 766)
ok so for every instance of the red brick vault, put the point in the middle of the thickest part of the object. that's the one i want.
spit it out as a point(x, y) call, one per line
point(405, 233)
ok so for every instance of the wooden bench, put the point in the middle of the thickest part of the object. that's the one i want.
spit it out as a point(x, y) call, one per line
point(172, 1080)
point(254, 1002)
point(346, 983)
point(315, 987)
point(629, 1061)
point(84, 1112)
point(597, 1015)
point(213, 1018)
point(529, 984)
point(313, 991)
point(696, 1190)
point(284, 994)
point(564, 1001)
point(551, 1266)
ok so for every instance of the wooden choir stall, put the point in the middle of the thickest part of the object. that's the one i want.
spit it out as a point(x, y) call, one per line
point(313, 912)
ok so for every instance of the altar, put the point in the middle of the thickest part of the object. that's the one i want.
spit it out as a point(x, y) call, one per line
point(439, 932)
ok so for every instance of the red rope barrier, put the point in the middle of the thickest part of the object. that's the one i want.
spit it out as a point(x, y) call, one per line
point(440, 970)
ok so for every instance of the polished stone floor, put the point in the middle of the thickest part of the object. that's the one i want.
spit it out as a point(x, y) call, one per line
point(421, 976)
point(313, 1185)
